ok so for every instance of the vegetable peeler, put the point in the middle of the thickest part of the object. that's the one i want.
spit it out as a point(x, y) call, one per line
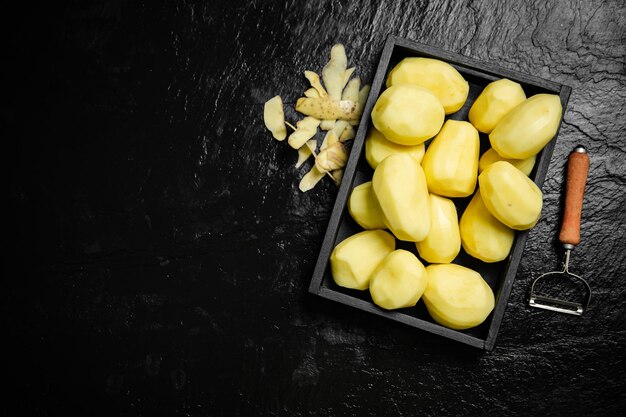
point(569, 236)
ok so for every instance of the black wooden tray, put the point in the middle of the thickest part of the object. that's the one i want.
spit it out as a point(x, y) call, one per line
point(499, 275)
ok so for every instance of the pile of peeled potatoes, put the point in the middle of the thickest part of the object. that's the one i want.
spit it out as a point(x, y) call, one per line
point(409, 197)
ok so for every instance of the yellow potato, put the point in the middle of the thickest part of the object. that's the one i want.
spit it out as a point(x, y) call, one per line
point(510, 196)
point(526, 129)
point(451, 160)
point(443, 243)
point(482, 235)
point(441, 78)
point(400, 189)
point(495, 101)
point(491, 156)
point(364, 208)
point(457, 297)
point(378, 148)
point(353, 261)
point(407, 114)
point(399, 281)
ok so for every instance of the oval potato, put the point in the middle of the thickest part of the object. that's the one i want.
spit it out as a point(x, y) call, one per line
point(482, 235)
point(451, 160)
point(400, 189)
point(408, 114)
point(494, 102)
point(441, 78)
point(491, 156)
point(399, 281)
point(443, 243)
point(526, 129)
point(364, 209)
point(353, 261)
point(457, 297)
point(378, 148)
point(510, 196)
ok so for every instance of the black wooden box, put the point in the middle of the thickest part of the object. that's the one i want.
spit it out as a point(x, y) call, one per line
point(499, 275)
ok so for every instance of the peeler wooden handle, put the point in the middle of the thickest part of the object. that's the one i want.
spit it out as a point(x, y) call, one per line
point(577, 169)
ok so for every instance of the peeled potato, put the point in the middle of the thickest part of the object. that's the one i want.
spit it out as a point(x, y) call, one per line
point(482, 235)
point(510, 196)
point(353, 261)
point(363, 207)
point(399, 281)
point(491, 156)
point(443, 243)
point(378, 148)
point(441, 78)
point(407, 114)
point(495, 101)
point(400, 189)
point(451, 160)
point(526, 129)
point(457, 297)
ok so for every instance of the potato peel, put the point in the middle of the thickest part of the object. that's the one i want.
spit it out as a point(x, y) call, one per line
point(347, 134)
point(306, 129)
point(333, 73)
point(347, 74)
point(327, 124)
point(329, 139)
point(351, 92)
point(310, 179)
point(314, 79)
point(324, 109)
point(311, 93)
point(363, 94)
point(332, 158)
point(305, 152)
point(274, 118)
point(334, 106)
point(337, 176)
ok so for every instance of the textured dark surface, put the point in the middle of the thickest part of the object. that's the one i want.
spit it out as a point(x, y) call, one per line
point(161, 252)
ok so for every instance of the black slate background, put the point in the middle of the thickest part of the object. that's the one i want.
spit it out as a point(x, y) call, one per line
point(160, 250)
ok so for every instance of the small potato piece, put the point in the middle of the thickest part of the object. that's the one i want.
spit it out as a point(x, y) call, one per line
point(451, 160)
point(400, 189)
point(399, 281)
point(441, 78)
point(526, 129)
point(491, 156)
point(482, 235)
point(443, 243)
point(495, 101)
point(364, 208)
point(510, 196)
point(408, 114)
point(457, 297)
point(378, 148)
point(274, 118)
point(353, 261)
